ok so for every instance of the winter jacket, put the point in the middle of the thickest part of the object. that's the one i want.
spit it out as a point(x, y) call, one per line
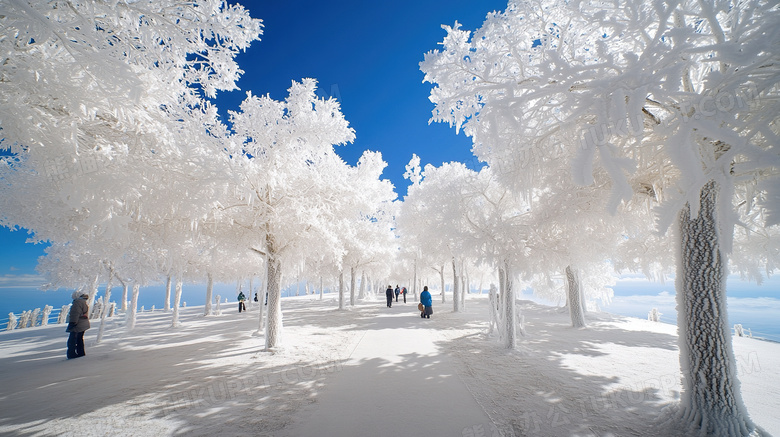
point(389, 292)
point(425, 298)
point(241, 297)
point(79, 315)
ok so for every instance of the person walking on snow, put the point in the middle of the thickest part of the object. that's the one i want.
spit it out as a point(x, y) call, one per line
point(403, 291)
point(389, 294)
point(427, 301)
point(77, 324)
point(397, 292)
point(241, 299)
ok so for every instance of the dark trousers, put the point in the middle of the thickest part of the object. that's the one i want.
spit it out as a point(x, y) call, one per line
point(76, 345)
point(389, 300)
point(404, 297)
point(241, 306)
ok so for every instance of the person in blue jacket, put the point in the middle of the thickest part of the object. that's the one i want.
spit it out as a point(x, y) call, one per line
point(427, 301)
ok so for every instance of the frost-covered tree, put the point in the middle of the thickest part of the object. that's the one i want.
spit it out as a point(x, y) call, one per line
point(365, 213)
point(284, 161)
point(113, 145)
point(432, 217)
point(672, 100)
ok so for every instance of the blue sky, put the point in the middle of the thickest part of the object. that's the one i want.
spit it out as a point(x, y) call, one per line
point(365, 54)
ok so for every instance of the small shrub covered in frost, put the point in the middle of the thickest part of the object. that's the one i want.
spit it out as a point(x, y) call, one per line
point(45, 317)
point(34, 317)
point(64, 314)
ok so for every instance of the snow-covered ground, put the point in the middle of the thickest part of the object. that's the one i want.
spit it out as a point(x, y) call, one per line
point(369, 371)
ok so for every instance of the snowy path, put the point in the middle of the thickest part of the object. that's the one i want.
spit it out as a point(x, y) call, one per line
point(370, 371)
point(395, 382)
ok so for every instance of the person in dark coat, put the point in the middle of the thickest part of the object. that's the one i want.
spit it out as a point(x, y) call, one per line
point(397, 292)
point(241, 299)
point(78, 323)
point(389, 294)
point(427, 301)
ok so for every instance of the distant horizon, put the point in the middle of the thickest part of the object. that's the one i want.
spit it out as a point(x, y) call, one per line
point(755, 313)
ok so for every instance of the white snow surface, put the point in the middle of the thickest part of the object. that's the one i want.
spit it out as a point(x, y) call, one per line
point(369, 371)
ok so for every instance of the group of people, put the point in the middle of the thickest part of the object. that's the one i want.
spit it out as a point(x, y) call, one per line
point(79, 314)
point(426, 301)
point(390, 293)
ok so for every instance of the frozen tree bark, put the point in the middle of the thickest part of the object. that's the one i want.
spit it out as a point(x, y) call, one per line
point(133, 307)
point(464, 289)
point(414, 281)
point(92, 293)
point(262, 303)
point(711, 400)
point(105, 309)
point(209, 292)
point(273, 327)
point(124, 296)
point(362, 294)
point(341, 290)
point(167, 305)
point(322, 288)
point(574, 296)
point(510, 312)
point(177, 302)
point(455, 288)
point(493, 308)
point(352, 286)
point(441, 276)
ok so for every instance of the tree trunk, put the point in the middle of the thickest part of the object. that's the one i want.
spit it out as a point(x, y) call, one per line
point(495, 320)
point(510, 314)
point(133, 307)
point(464, 288)
point(455, 289)
point(177, 302)
point(322, 288)
point(501, 295)
point(414, 281)
point(441, 275)
point(167, 305)
point(362, 294)
point(352, 286)
point(93, 289)
point(262, 303)
point(273, 327)
point(209, 292)
point(710, 400)
point(124, 296)
point(574, 297)
point(341, 289)
point(104, 311)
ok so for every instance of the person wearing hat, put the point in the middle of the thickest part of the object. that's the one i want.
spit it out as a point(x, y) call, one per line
point(77, 324)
